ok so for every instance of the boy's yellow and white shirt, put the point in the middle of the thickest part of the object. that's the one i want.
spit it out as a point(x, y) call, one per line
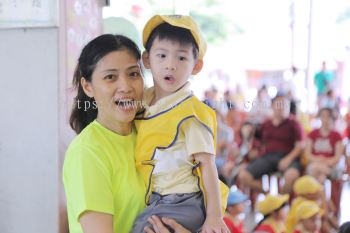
point(173, 170)
point(169, 133)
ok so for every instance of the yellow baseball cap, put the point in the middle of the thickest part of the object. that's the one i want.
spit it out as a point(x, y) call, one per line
point(306, 185)
point(182, 21)
point(307, 209)
point(271, 203)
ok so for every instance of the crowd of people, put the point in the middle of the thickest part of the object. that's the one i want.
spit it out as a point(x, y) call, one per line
point(275, 139)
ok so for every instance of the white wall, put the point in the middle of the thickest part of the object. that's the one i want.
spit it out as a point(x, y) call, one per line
point(29, 131)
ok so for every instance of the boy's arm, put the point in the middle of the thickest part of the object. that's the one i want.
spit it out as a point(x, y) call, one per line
point(210, 183)
point(214, 219)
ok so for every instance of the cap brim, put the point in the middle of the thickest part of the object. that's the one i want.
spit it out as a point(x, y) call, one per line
point(237, 199)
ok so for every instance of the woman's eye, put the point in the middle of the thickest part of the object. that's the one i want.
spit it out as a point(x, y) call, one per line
point(161, 55)
point(110, 77)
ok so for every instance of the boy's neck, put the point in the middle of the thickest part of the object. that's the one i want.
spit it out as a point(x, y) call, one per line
point(160, 94)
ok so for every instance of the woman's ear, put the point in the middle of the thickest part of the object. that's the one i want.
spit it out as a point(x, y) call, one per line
point(87, 87)
point(145, 59)
point(198, 67)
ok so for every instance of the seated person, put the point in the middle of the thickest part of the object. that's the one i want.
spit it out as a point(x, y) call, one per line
point(308, 218)
point(235, 207)
point(274, 211)
point(281, 138)
point(307, 188)
point(324, 148)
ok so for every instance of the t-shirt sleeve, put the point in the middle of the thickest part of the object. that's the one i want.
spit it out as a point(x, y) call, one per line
point(198, 137)
point(298, 131)
point(338, 137)
point(312, 135)
point(87, 181)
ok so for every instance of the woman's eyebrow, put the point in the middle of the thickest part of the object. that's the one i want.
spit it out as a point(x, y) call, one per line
point(133, 67)
point(109, 70)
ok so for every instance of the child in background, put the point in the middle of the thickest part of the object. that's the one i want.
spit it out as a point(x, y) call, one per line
point(307, 188)
point(273, 209)
point(235, 207)
point(308, 218)
point(177, 132)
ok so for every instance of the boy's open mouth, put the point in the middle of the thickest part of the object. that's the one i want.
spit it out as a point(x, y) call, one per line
point(169, 78)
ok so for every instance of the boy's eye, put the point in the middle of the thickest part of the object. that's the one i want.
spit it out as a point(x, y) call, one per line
point(161, 55)
point(181, 58)
point(135, 74)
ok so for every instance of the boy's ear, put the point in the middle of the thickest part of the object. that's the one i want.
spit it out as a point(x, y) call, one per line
point(198, 67)
point(87, 87)
point(145, 59)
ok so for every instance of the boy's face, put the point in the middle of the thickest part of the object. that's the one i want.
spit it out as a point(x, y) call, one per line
point(312, 224)
point(281, 214)
point(171, 64)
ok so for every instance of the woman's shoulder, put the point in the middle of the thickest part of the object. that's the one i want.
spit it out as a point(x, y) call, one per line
point(85, 137)
point(314, 133)
point(85, 143)
point(336, 134)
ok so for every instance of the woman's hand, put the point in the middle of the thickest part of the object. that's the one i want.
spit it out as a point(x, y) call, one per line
point(159, 227)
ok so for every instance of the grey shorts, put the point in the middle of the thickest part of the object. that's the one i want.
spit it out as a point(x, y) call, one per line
point(187, 209)
point(268, 164)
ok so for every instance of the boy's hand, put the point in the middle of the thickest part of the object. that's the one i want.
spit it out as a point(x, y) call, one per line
point(214, 225)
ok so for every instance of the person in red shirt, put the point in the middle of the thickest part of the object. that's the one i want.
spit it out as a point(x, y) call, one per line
point(235, 207)
point(324, 148)
point(281, 138)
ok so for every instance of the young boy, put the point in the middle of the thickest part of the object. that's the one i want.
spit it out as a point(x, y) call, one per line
point(177, 132)
point(274, 211)
point(307, 188)
point(235, 206)
point(308, 218)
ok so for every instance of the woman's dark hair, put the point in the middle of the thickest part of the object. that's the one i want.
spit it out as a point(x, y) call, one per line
point(177, 34)
point(91, 54)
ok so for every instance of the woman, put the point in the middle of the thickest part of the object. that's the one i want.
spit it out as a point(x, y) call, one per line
point(324, 148)
point(104, 192)
point(99, 166)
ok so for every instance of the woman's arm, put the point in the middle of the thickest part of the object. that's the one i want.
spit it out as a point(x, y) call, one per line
point(308, 152)
point(214, 221)
point(95, 222)
point(290, 157)
point(338, 151)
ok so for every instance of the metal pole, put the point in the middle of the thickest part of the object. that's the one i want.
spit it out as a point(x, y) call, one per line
point(309, 73)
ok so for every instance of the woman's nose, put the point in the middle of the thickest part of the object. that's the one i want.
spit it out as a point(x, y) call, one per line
point(124, 84)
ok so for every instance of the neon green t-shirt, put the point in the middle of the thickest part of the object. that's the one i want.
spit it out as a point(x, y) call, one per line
point(99, 174)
